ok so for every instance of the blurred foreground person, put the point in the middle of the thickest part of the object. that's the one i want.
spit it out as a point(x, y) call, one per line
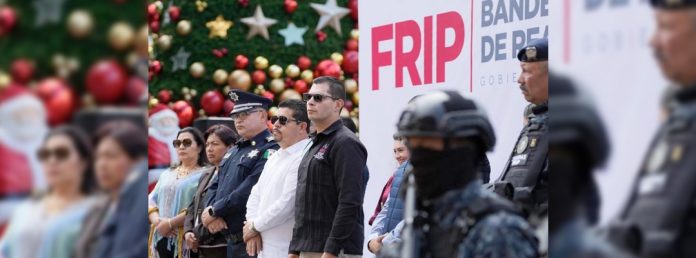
point(661, 205)
point(578, 145)
point(455, 217)
point(48, 226)
point(525, 177)
point(219, 140)
point(173, 194)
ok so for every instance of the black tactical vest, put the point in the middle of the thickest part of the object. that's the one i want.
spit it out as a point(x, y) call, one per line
point(663, 204)
point(527, 167)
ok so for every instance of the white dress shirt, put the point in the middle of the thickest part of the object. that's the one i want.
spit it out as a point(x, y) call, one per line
point(271, 204)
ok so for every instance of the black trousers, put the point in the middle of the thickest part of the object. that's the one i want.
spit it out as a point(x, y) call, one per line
point(166, 251)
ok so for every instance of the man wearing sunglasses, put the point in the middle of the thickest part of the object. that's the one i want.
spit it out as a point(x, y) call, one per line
point(328, 204)
point(271, 205)
point(240, 169)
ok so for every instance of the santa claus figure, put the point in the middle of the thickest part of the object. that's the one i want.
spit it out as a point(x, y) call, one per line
point(23, 125)
point(164, 125)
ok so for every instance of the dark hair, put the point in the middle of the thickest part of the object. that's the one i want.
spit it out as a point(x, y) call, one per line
point(81, 142)
point(299, 110)
point(348, 123)
point(225, 133)
point(397, 137)
point(336, 87)
point(130, 137)
point(198, 138)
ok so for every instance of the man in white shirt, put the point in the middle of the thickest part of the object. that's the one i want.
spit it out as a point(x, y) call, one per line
point(271, 205)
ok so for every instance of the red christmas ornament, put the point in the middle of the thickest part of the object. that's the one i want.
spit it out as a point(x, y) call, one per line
point(164, 96)
point(289, 83)
point(304, 62)
point(8, 19)
point(321, 36)
point(348, 104)
point(301, 86)
point(353, 6)
point(154, 26)
point(290, 6)
point(212, 102)
point(224, 50)
point(350, 61)
point(58, 99)
point(268, 94)
point(258, 77)
point(217, 53)
point(352, 44)
point(332, 69)
point(174, 13)
point(155, 66)
point(106, 80)
point(243, 3)
point(185, 113)
point(22, 71)
point(241, 62)
point(135, 90)
point(227, 108)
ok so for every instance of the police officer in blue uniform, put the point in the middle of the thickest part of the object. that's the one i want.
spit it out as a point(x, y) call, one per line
point(662, 205)
point(239, 170)
point(525, 176)
point(578, 144)
point(450, 214)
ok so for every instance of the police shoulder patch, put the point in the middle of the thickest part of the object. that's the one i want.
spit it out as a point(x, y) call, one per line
point(268, 153)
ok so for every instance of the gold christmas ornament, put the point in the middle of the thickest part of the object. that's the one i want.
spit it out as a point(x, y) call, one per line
point(185, 90)
point(80, 23)
point(159, 5)
point(226, 90)
point(292, 71)
point(277, 85)
point(218, 27)
point(4, 80)
point(290, 94)
point(273, 111)
point(121, 36)
point(183, 27)
point(201, 5)
point(307, 76)
point(88, 101)
point(187, 97)
point(194, 92)
point(164, 42)
point(239, 79)
point(220, 76)
point(337, 58)
point(275, 71)
point(351, 86)
point(354, 34)
point(356, 99)
point(153, 101)
point(141, 45)
point(345, 113)
point(197, 69)
point(261, 63)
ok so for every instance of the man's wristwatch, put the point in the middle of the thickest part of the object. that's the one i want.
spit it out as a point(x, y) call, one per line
point(211, 212)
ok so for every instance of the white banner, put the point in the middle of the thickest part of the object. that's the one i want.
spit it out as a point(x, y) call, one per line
point(410, 47)
point(605, 47)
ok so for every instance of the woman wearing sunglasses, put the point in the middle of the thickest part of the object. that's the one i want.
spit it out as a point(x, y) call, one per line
point(47, 226)
point(173, 194)
point(219, 139)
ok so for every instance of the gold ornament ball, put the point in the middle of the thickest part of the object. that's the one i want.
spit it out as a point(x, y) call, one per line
point(290, 94)
point(153, 101)
point(239, 79)
point(201, 113)
point(275, 71)
point(292, 71)
point(259, 90)
point(164, 42)
point(183, 27)
point(273, 111)
point(141, 45)
point(277, 85)
point(345, 113)
point(187, 97)
point(337, 58)
point(185, 90)
point(261, 63)
point(121, 36)
point(351, 86)
point(356, 99)
point(226, 90)
point(197, 69)
point(354, 34)
point(159, 5)
point(307, 76)
point(194, 92)
point(4, 80)
point(220, 76)
point(80, 23)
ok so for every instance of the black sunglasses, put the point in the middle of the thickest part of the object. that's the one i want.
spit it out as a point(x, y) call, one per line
point(317, 97)
point(61, 153)
point(186, 142)
point(282, 119)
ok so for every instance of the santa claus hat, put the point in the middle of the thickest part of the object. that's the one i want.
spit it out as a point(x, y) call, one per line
point(14, 95)
point(160, 111)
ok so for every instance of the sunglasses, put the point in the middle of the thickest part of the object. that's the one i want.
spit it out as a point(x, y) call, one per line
point(281, 119)
point(317, 97)
point(186, 142)
point(60, 153)
point(243, 114)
